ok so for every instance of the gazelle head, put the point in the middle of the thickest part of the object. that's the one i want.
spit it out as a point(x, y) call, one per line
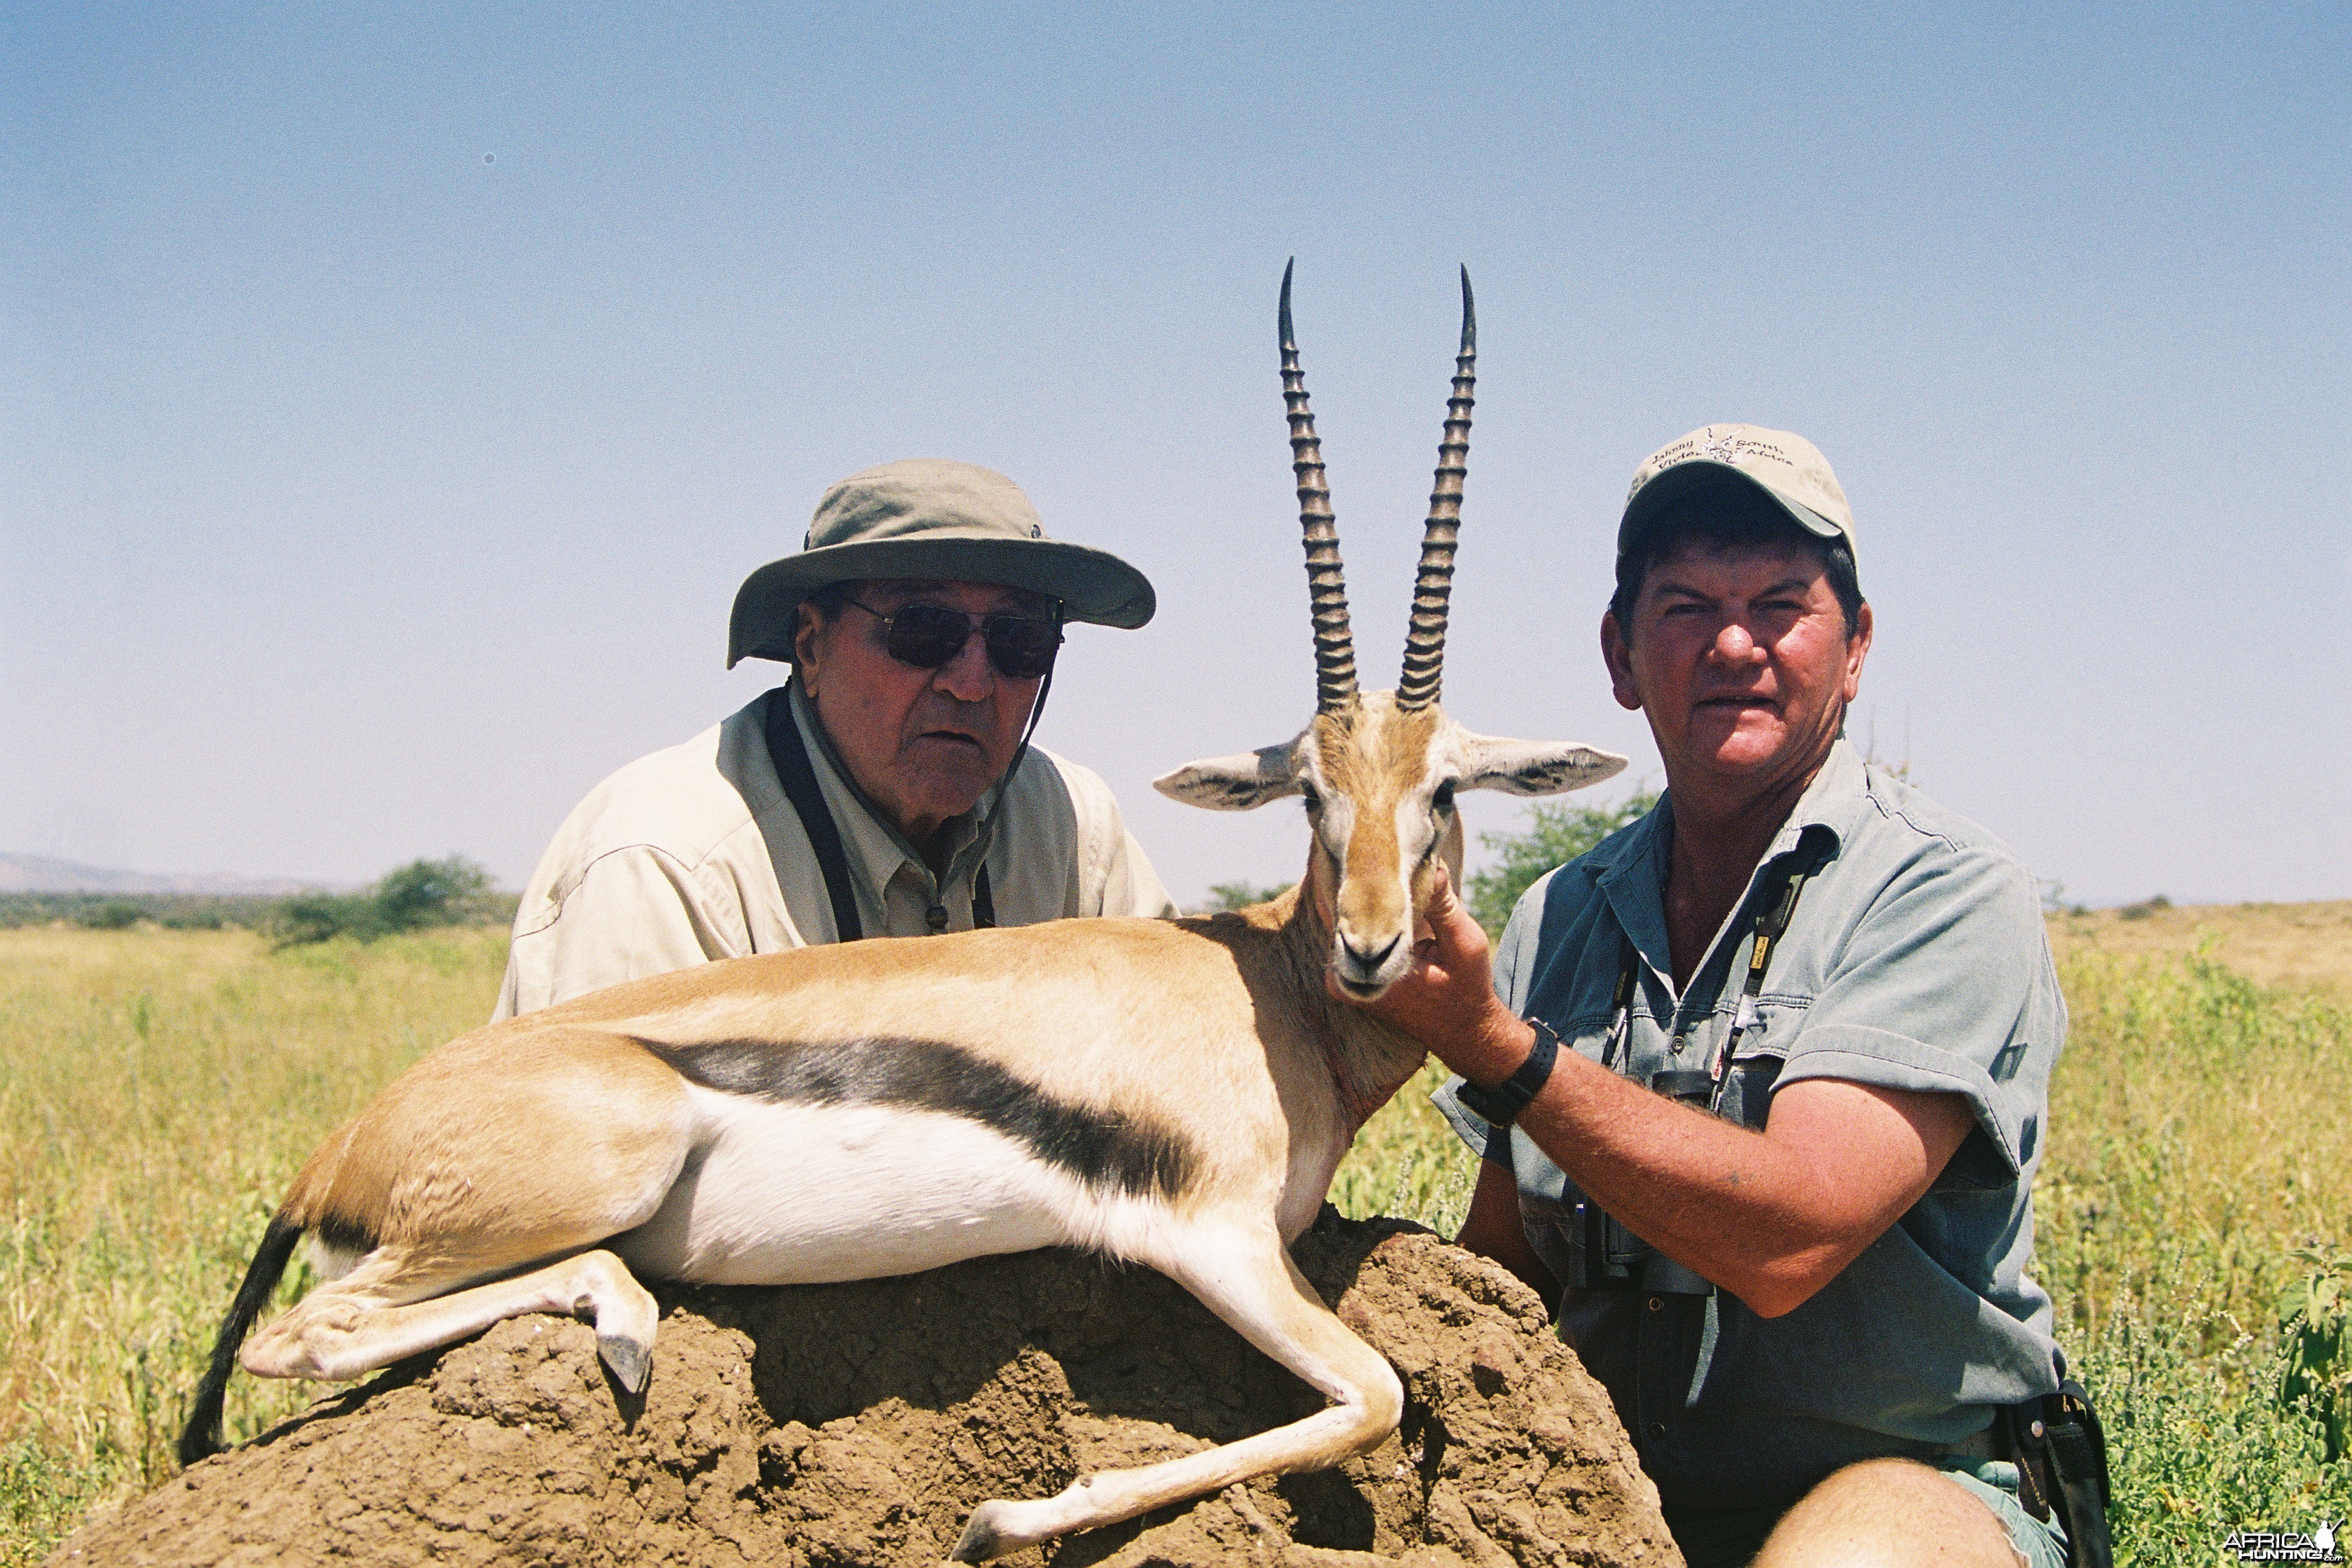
point(1379, 770)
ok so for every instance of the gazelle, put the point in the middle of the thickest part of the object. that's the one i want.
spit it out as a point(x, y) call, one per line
point(1177, 1093)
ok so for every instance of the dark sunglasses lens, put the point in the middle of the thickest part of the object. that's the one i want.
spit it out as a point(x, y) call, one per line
point(1022, 647)
point(927, 635)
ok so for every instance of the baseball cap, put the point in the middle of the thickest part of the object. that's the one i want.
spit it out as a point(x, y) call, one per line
point(1786, 468)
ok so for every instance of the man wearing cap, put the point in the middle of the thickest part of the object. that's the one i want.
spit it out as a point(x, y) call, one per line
point(888, 788)
point(1809, 1307)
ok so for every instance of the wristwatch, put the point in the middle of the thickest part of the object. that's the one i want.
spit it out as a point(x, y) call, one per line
point(1500, 1106)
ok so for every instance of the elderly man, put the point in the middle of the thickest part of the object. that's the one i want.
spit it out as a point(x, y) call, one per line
point(888, 788)
point(1810, 1306)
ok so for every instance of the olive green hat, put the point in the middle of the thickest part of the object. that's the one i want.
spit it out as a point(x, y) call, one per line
point(1787, 469)
point(929, 517)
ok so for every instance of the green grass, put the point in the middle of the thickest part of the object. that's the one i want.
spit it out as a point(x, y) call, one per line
point(157, 1092)
point(158, 1089)
point(2200, 1168)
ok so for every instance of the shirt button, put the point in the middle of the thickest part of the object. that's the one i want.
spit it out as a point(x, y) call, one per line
point(1657, 1303)
point(1658, 1428)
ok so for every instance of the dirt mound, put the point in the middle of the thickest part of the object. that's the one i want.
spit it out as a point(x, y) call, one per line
point(858, 1424)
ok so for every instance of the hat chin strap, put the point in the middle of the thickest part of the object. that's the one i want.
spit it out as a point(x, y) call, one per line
point(1036, 712)
point(983, 904)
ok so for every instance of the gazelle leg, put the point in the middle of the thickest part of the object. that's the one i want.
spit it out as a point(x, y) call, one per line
point(372, 1316)
point(1244, 1276)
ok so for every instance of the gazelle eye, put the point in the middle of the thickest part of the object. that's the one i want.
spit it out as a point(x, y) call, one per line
point(1313, 797)
point(1442, 799)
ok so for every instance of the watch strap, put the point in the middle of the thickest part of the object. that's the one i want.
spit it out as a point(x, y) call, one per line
point(1501, 1105)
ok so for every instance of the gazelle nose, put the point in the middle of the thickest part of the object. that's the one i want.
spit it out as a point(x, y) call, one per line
point(1367, 959)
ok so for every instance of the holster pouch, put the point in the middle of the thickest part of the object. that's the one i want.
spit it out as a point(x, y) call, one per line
point(2062, 1466)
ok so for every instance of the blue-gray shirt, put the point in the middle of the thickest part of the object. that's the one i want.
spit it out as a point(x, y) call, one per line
point(1917, 960)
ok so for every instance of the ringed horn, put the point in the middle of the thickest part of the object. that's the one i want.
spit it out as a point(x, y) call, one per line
point(1425, 644)
point(1326, 586)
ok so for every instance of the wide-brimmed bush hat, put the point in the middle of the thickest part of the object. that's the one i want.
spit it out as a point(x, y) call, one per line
point(1786, 468)
point(929, 517)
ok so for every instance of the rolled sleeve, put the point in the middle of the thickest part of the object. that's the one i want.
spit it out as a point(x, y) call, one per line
point(1945, 987)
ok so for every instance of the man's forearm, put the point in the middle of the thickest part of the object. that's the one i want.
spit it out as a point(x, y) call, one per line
point(1770, 1217)
point(1752, 1212)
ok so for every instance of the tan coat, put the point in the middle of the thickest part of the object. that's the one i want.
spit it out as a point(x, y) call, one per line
point(695, 853)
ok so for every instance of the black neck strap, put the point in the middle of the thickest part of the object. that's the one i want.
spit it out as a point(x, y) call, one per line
point(1770, 924)
point(798, 776)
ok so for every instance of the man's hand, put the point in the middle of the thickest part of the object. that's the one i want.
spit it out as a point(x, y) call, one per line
point(1447, 1001)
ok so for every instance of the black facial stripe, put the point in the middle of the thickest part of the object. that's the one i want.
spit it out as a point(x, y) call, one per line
point(1098, 1147)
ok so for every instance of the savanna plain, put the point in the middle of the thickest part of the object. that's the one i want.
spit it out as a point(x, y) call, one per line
point(158, 1089)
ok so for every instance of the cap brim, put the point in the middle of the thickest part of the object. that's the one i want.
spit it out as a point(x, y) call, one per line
point(1093, 585)
point(1701, 473)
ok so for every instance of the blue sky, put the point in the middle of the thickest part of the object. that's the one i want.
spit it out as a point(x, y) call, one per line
point(391, 401)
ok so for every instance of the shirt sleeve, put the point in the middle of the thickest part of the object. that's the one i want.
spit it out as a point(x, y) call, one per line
point(1114, 875)
point(632, 912)
point(1946, 986)
point(1130, 887)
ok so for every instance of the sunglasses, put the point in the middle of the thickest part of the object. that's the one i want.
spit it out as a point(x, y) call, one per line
point(1022, 648)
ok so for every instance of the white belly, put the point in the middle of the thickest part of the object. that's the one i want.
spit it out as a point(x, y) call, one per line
point(797, 1195)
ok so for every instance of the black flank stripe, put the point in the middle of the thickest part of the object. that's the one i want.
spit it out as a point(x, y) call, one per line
point(343, 1235)
point(1138, 1157)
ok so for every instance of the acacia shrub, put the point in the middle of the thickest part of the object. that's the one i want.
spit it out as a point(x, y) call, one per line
point(446, 892)
point(1555, 835)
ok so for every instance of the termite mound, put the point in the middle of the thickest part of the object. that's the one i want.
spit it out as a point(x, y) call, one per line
point(858, 1424)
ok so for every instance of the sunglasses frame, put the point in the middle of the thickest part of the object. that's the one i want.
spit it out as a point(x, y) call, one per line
point(973, 625)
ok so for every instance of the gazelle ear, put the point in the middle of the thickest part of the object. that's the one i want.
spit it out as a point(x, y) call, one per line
point(1534, 767)
point(1234, 784)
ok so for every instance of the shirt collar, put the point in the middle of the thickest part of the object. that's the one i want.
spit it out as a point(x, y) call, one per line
point(1630, 867)
point(1833, 802)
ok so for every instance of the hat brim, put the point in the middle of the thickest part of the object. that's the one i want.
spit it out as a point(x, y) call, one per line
point(1703, 473)
point(1093, 585)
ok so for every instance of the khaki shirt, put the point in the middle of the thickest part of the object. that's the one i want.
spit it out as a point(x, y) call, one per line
point(695, 853)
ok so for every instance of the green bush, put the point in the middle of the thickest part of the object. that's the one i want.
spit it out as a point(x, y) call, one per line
point(1555, 835)
point(454, 891)
point(2315, 1347)
point(432, 893)
point(1225, 897)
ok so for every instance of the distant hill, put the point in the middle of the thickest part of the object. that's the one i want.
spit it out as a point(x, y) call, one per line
point(41, 874)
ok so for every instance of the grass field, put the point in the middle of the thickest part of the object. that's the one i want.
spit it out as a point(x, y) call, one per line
point(157, 1088)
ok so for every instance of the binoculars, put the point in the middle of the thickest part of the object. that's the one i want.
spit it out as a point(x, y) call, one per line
point(1603, 1255)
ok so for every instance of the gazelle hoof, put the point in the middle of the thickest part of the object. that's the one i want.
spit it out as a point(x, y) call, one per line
point(632, 1363)
point(982, 1539)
